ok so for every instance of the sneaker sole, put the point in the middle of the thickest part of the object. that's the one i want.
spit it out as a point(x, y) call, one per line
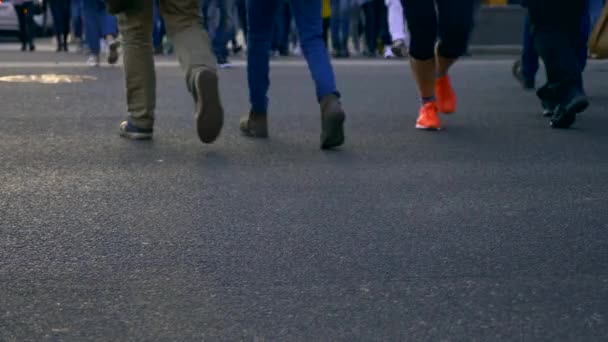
point(333, 134)
point(136, 136)
point(209, 111)
point(426, 128)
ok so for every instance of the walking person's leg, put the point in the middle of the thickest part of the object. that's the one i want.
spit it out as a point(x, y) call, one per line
point(529, 59)
point(21, 20)
point(92, 29)
point(371, 34)
point(109, 30)
point(183, 22)
point(310, 28)
point(260, 33)
point(556, 36)
point(396, 24)
point(455, 27)
point(30, 27)
point(136, 27)
point(77, 21)
point(422, 23)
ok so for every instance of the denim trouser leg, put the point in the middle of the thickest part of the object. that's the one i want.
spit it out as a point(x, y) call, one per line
point(595, 10)
point(340, 23)
point(109, 25)
point(310, 29)
point(76, 9)
point(223, 30)
point(258, 53)
point(529, 57)
point(92, 25)
point(157, 35)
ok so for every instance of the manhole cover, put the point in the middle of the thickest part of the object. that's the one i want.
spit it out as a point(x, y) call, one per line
point(47, 78)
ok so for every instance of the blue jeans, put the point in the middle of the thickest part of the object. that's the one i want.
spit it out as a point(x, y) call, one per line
point(159, 27)
point(595, 10)
point(219, 27)
point(76, 9)
point(307, 14)
point(98, 24)
point(340, 24)
point(282, 28)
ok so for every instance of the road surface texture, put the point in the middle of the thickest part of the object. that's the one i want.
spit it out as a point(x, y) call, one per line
point(494, 229)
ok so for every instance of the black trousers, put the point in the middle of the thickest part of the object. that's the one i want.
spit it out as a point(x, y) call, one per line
point(25, 16)
point(60, 9)
point(449, 20)
point(556, 27)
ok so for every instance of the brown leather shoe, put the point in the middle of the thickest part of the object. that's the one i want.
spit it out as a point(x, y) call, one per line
point(332, 122)
point(255, 125)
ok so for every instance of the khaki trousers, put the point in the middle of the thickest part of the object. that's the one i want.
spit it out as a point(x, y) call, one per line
point(184, 27)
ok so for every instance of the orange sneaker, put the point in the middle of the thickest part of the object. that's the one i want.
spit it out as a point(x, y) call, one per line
point(446, 98)
point(429, 117)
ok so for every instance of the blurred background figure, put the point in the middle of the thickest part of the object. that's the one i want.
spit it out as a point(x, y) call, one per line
point(60, 10)
point(76, 12)
point(100, 25)
point(217, 18)
point(326, 15)
point(340, 27)
point(396, 23)
point(27, 28)
point(159, 30)
point(281, 29)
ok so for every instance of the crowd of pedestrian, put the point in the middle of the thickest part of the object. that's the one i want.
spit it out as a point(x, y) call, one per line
point(434, 33)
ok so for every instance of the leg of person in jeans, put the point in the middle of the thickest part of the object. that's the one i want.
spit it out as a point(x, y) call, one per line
point(595, 11)
point(183, 21)
point(431, 68)
point(556, 35)
point(77, 22)
point(340, 26)
point(310, 27)
point(92, 29)
point(222, 33)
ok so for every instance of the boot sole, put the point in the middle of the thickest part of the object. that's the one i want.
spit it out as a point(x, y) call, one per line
point(113, 53)
point(333, 133)
point(209, 111)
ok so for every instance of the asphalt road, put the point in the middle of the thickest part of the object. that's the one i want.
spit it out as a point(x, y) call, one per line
point(494, 229)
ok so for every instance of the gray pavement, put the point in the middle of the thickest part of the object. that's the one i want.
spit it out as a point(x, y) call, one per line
point(494, 229)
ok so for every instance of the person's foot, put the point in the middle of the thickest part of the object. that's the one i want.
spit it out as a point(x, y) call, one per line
point(237, 49)
point(548, 108)
point(65, 47)
point(59, 48)
point(134, 133)
point(23, 47)
point(209, 111)
point(446, 98)
point(388, 53)
point(564, 115)
point(399, 48)
point(93, 61)
point(332, 122)
point(223, 63)
point(32, 47)
point(254, 125)
point(519, 76)
point(113, 46)
point(429, 117)
point(369, 54)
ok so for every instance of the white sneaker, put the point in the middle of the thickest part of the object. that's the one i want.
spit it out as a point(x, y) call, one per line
point(388, 53)
point(93, 61)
